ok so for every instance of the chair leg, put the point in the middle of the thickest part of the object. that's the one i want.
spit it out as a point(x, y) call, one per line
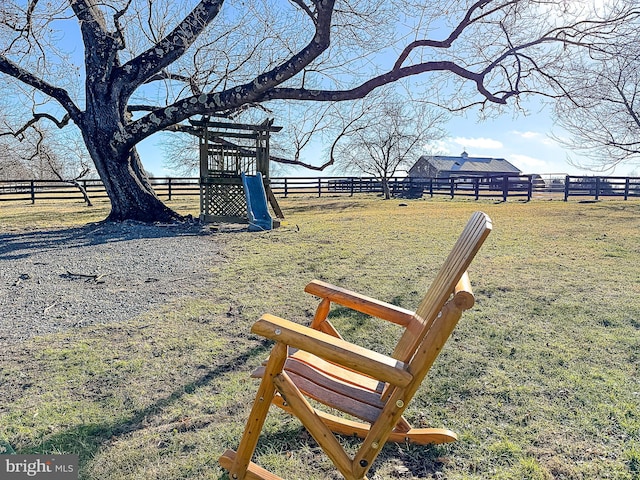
point(254, 472)
point(402, 426)
point(314, 425)
point(258, 413)
point(320, 321)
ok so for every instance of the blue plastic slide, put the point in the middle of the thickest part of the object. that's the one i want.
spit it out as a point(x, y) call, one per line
point(257, 211)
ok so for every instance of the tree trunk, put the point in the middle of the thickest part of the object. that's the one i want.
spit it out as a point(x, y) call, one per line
point(127, 185)
point(119, 167)
point(83, 191)
point(132, 197)
point(385, 188)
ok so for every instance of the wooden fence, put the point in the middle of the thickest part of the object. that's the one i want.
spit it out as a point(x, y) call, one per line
point(597, 187)
point(32, 190)
point(501, 186)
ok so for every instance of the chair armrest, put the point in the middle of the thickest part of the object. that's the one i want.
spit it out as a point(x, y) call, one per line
point(463, 295)
point(333, 349)
point(360, 303)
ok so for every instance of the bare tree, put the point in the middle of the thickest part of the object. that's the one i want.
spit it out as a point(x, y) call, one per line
point(601, 110)
point(149, 65)
point(12, 151)
point(389, 134)
point(44, 153)
point(12, 165)
point(64, 169)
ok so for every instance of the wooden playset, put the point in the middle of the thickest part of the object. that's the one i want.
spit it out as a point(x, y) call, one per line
point(227, 150)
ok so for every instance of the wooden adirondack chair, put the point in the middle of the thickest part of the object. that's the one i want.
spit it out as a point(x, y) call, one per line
point(316, 362)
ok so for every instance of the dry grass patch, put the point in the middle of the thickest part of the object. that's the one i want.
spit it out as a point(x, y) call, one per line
point(67, 213)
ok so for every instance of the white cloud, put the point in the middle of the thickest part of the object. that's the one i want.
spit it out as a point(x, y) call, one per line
point(528, 164)
point(438, 147)
point(479, 143)
point(540, 137)
point(527, 135)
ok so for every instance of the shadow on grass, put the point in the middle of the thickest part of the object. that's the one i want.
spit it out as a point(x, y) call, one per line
point(338, 311)
point(395, 460)
point(86, 439)
point(416, 461)
point(335, 206)
point(14, 246)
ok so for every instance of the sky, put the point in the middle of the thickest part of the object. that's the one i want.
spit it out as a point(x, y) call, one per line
point(525, 141)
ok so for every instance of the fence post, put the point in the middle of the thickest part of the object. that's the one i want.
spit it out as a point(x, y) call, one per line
point(453, 187)
point(286, 187)
point(505, 188)
point(567, 179)
point(169, 186)
point(352, 186)
point(33, 192)
point(626, 188)
point(319, 187)
point(597, 188)
point(476, 187)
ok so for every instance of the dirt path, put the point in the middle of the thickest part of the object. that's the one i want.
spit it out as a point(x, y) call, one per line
point(51, 280)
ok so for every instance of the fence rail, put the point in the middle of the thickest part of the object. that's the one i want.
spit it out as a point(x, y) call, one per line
point(597, 187)
point(501, 186)
point(32, 190)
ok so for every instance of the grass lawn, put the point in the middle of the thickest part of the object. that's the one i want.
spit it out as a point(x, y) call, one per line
point(540, 379)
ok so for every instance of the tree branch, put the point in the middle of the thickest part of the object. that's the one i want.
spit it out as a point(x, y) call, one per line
point(453, 36)
point(36, 118)
point(92, 23)
point(116, 21)
point(60, 95)
point(138, 70)
point(305, 8)
point(392, 76)
point(100, 46)
point(164, 75)
point(299, 163)
point(234, 98)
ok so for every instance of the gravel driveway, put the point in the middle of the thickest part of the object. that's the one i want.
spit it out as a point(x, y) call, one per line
point(52, 280)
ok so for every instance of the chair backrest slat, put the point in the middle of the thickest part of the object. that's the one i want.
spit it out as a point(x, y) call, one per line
point(461, 256)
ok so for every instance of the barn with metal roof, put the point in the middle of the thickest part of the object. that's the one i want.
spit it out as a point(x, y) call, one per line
point(439, 166)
